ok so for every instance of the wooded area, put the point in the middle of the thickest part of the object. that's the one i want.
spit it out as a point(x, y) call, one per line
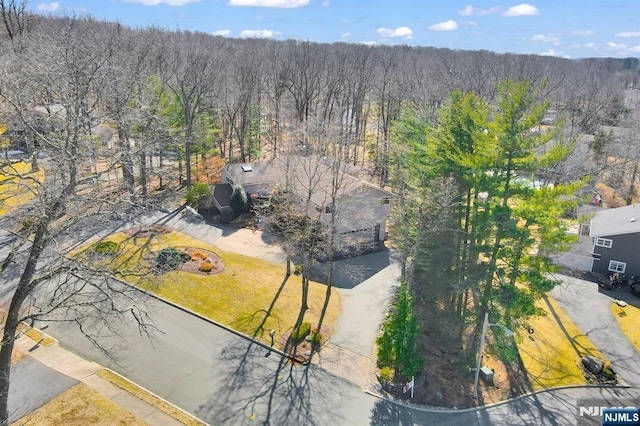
point(481, 150)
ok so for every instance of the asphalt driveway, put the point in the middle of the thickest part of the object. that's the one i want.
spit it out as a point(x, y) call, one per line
point(590, 310)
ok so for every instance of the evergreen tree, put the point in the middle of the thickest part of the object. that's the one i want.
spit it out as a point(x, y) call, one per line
point(397, 346)
point(238, 202)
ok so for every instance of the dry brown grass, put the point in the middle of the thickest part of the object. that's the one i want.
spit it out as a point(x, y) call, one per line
point(14, 190)
point(629, 321)
point(552, 354)
point(150, 399)
point(80, 406)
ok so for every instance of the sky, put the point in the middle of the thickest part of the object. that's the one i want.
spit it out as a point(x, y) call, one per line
point(563, 28)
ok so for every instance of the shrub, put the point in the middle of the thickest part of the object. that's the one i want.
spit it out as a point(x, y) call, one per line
point(299, 333)
point(205, 266)
point(316, 338)
point(387, 373)
point(169, 259)
point(198, 255)
point(106, 247)
point(198, 193)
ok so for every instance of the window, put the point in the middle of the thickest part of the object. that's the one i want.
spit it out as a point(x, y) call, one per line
point(615, 266)
point(385, 201)
point(328, 209)
point(604, 242)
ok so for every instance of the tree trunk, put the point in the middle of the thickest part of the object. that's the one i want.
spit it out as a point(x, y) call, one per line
point(13, 315)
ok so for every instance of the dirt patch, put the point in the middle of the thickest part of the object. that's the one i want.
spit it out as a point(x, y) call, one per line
point(301, 351)
point(198, 256)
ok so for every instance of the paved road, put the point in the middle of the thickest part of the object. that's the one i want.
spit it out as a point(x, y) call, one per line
point(590, 310)
point(223, 379)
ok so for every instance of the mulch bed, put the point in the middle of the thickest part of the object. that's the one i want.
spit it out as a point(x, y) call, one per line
point(193, 266)
point(301, 351)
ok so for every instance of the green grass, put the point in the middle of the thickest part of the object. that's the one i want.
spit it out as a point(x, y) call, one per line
point(238, 297)
point(552, 354)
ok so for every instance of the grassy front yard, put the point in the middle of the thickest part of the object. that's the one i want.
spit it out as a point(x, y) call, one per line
point(629, 321)
point(238, 297)
point(552, 353)
point(80, 406)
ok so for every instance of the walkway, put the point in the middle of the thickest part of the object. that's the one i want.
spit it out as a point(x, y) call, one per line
point(75, 369)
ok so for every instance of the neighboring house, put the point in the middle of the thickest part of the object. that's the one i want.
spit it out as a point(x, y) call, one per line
point(361, 208)
point(616, 240)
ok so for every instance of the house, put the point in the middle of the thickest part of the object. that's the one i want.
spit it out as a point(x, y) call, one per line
point(616, 240)
point(361, 209)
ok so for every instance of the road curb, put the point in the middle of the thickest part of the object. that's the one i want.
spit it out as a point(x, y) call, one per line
point(155, 396)
point(495, 404)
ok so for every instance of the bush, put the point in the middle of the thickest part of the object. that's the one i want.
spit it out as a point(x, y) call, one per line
point(387, 373)
point(299, 333)
point(316, 338)
point(205, 266)
point(169, 259)
point(198, 255)
point(106, 247)
point(198, 193)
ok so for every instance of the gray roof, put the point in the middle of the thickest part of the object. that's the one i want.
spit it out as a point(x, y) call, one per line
point(304, 174)
point(618, 221)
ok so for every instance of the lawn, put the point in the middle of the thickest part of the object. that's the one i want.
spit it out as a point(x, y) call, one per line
point(552, 353)
point(15, 191)
point(237, 297)
point(629, 321)
point(80, 406)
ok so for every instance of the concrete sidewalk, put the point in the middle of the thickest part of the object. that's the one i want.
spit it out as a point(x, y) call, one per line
point(84, 371)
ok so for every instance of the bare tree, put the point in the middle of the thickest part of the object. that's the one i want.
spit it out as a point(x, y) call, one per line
point(14, 17)
point(62, 72)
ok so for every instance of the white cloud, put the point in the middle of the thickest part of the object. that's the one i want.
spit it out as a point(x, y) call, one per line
point(616, 46)
point(278, 4)
point(222, 33)
point(449, 25)
point(345, 35)
point(590, 45)
point(470, 10)
point(48, 7)
point(404, 32)
point(257, 33)
point(635, 49)
point(167, 2)
point(368, 43)
point(554, 39)
point(628, 34)
point(583, 33)
point(326, 3)
point(522, 9)
point(552, 52)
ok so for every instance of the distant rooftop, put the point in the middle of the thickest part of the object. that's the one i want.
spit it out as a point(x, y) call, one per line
point(618, 221)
